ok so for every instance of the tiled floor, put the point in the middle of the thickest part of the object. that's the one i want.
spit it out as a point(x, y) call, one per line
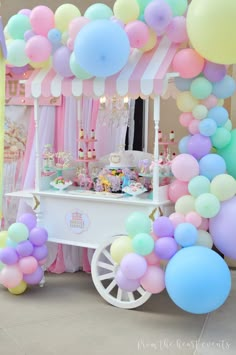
point(68, 317)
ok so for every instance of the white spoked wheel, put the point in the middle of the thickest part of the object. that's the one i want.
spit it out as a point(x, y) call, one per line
point(103, 271)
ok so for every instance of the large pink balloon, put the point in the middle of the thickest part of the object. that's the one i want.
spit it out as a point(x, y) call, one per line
point(222, 227)
point(184, 167)
point(188, 63)
point(38, 49)
point(153, 280)
point(42, 20)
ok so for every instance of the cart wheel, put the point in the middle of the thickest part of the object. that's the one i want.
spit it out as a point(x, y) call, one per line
point(103, 270)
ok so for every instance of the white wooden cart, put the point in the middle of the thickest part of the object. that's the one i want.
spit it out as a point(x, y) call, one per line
point(91, 220)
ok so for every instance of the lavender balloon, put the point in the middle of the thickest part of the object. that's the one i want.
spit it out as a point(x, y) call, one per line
point(199, 146)
point(25, 248)
point(28, 34)
point(25, 12)
point(40, 253)
point(158, 15)
point(163, 227)
point(165, 248)
point(35, 277)
point(214, 72)
point(133, 266)
point(29, 219)
point(38, 236)
point(126, 284)
point(8, 256)
point(61, 61)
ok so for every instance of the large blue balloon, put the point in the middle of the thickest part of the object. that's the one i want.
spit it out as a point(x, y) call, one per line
point(198, 279)
point(102, 48)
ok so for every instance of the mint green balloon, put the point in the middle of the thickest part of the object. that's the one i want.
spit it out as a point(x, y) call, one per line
point(178, 7)
point(16, 53)
point(18, 232)
point(201, 88)
point(199, 185)
point(18, 25)
point(207, 205)
point(138, 222)
point(98, 11)
point(143, 244)
point(228, 125)
point(77, 70)
point(229, 154)
point(221, 138)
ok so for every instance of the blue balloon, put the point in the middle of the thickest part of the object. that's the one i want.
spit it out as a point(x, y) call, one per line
point(224, 88)
point(183, 145)
point(102, 48)
point(54, 36)
point(183, 84)
point(186, 234)
point(212, 165)
point(198, 280)
point(219, 114)
point(207, 127)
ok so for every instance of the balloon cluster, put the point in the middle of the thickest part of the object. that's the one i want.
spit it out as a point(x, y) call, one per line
point(22, 253)
point(97, 43)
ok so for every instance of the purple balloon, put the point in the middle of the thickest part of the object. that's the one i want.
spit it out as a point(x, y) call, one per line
point(133, 266)
point(40, 253)
point(222, 228)
point(165, 248)
point(8, 256)
point(158, 15)
point(163, 227)
point(29, 219)
point(38, 236)
point(199, 146)
point(35, 277)
point(118, 21)
point(20, 70)
point(28, 34)
point(214, 72)
point(25, 12)
point(25, 248)
point(61, 62)
point(126, 284)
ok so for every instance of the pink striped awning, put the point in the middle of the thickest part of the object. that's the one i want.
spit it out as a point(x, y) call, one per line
point(144, 75)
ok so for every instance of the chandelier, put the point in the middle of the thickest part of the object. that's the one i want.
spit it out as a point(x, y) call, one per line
point(114, 110)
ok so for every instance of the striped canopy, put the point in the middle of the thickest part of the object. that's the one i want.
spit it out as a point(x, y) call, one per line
point(144, 75)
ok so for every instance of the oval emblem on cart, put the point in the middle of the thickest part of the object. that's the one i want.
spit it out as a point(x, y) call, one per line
point(77, 221)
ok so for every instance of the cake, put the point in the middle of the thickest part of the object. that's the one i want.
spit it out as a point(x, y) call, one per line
point(121, 159)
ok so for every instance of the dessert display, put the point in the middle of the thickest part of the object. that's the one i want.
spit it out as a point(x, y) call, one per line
point(60, 183)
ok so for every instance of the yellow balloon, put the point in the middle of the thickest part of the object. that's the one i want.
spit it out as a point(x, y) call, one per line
point(3, 239)
point(18, 290)
point(223, 186)
point(185, 204)
point(204, 239)
point(220, 102)
point(126, 11)
point(211, 28)
point(44, 65)
point(64, 14)
point(186, 102)
point(120, 247)
point(152, 41)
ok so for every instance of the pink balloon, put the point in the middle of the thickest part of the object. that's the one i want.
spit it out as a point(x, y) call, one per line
point(153, 280)
point(210, 102)
point(75, 26)
point(188, 63)
point(42, 20)
point(70, 44)
point(176, 31)
point(194, 126)
point(28, 265)
point(186, 118)
point(193, 218)
point(11, 276)
point(152, 259)
point(177, 189)
point(184, 167)
point(38, 49)
point(138, 33)
point(177, 218)
point(205, 224)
